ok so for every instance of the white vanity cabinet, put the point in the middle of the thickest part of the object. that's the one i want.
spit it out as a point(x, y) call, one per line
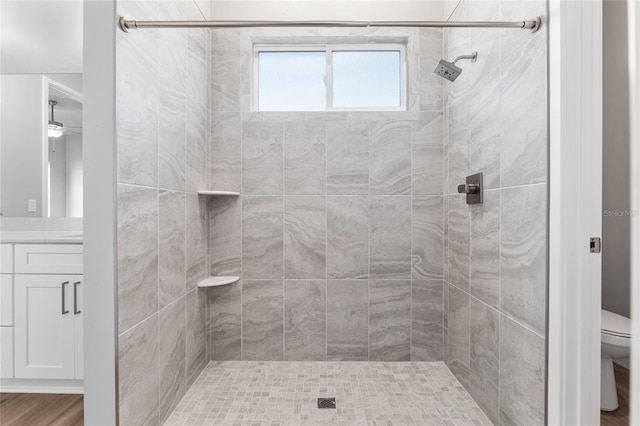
point(47, 326)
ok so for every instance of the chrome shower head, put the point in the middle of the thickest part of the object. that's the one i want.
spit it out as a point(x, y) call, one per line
point(449, 70)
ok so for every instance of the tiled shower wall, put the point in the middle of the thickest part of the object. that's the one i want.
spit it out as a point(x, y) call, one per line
point(495, 263)
point(338, 232)
point(162, 142)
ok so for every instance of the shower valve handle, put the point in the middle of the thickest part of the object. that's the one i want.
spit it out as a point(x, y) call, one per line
point(468, 188)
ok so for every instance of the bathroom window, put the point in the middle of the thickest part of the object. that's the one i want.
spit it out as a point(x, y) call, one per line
point(332, 77)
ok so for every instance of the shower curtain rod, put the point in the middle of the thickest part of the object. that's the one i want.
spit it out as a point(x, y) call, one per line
point(130, 24)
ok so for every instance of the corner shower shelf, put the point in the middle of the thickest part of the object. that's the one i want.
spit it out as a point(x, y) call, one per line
point(219, 193)
point(217, 281)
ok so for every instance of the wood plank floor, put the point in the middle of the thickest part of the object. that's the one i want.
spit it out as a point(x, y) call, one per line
point(619, 417)
point(26, 409)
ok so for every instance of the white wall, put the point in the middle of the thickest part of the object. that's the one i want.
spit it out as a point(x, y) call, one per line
point(616, 174)
point(327, 10)
point(22, 127)
point(40, 36)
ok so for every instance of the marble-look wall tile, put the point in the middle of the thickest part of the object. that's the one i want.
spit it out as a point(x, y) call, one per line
point(305, 158)
point(484, 131)
point(197, 66)
point(262, 320)
point(458, 147)
point(347, 237)
point(484, 277)
point(171, 250)
point(225, 88)
point(523, 254)
point(305, 320)
point(262, 237)
point(427, 154)
point(390, 227)
point(484, 358)
point(196, 242)
point(196, 333)
point(262, 159)
point(430, 84)
point(138, 374)
point(427, 237)
point(171, 132)
point(347, 157)
point(226, 151)
point(522, 373)
point(225, 332)
point(390, 320)
point(172, 356)
point(459, 238)
point(197, 146)
point(137, 254)
point(457, 356)
point(426, 320)
point(523, 110)
point(510, 43)
point(390, 158)
point(347, 320)
point(137, 85)
point(225, 221)
point(305, 235)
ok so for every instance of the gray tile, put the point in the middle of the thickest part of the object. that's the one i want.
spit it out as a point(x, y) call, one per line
point(427, 154)
point(484, 131)
point(225, 81)
point(484, 277)
point(197, 146)
point(305, 158)
point(390, 158)
point(522, 373)
point(458, 147)
point(225, 40)
point(459, 223)
point(196, 333)
point(523, 255)
point(427, 237)
point(430, 53)
point(305, 320)
point(305, 234)
point(523, 101)
point(348, 237)
point(136, 115)
point(196, 241)
point(171, 250)
point(347, 320)
point(262, 237)
point(137, 254)
point(225, 220)
point(486, 41)
point(197, 67)
point(426, 320)
point(390, 225)
point(262, 159)
point(262, 320)
point(347, 157)
point(390, 320)
point(458, 354)
point(484, 358)
point(445, 320)
point(172, 356)
point(171, 132)
point(138, 374)
point(510, 43)
point(225, 306)
point(226, 151)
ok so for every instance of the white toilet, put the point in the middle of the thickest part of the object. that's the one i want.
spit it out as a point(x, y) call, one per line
point(616, 344)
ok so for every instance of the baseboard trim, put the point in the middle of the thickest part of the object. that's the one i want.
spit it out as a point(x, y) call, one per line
point(41, 386)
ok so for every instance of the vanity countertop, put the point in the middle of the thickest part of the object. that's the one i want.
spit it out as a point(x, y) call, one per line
point(41, 237)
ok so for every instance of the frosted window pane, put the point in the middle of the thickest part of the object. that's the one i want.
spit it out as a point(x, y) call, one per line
point(291, 81)
point(366, 79)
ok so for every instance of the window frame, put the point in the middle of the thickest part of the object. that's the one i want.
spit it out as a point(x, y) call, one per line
point(329, 48)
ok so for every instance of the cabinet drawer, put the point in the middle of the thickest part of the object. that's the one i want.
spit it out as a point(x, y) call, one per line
point(6, 300)
point(6, 352)
point(6, 258)
point(48, 258)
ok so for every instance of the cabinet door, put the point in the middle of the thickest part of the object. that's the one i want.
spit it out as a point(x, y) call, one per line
point(44, 326)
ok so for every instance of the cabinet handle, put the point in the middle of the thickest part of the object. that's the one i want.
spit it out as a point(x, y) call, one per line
point(64, 310)
point(76, 311)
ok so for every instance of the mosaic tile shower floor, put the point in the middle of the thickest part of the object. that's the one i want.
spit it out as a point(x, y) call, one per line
point(367, 393)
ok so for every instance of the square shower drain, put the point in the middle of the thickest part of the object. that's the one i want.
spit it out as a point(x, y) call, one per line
point(326, 403)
